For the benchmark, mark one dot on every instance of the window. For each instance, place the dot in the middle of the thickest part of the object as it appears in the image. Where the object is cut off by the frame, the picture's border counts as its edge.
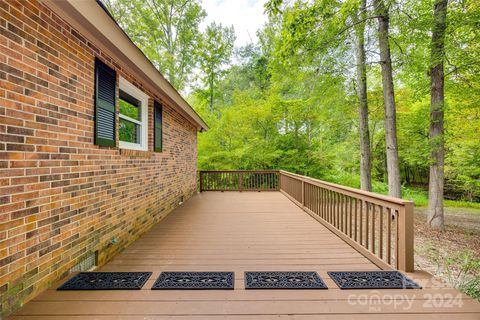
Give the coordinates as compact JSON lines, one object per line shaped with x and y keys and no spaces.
{"x":133,"y":117}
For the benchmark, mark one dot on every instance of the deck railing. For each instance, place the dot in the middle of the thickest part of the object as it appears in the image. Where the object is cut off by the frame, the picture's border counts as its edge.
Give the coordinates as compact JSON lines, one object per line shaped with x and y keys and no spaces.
{"x":239,"y":180}
{"x":377,"y":226}
{"x":380,"y":227}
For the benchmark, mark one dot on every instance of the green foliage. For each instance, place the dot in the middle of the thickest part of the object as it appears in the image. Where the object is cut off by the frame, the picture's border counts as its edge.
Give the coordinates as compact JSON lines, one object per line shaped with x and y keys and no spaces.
{"x":129,"y":109}
{"x":289,"y":101}
{"x":215,"y":51}
{"x":166,"y":31}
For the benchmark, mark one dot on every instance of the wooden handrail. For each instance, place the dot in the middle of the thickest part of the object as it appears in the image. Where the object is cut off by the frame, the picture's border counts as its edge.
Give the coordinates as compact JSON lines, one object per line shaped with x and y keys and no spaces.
{"x":348,"y":189}
{"x":378,"y":226}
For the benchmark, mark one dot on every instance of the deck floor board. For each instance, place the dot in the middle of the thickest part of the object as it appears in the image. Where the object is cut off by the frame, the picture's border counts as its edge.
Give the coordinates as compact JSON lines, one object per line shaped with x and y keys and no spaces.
{"x":240,"y":232}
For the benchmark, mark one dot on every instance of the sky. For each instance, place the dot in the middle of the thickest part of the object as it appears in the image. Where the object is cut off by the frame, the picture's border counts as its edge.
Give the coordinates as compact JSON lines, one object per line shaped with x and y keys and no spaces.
{"x":246,"y":16}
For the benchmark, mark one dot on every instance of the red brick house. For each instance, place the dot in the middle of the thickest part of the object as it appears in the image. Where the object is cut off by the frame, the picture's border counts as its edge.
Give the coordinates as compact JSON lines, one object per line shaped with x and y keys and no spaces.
{"x":95,"y":145}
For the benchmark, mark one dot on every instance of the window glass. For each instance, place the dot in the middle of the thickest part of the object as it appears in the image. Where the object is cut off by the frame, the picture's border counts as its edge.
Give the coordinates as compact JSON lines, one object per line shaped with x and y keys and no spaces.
{"x":129,"y":131}
{"x":129,"y":106}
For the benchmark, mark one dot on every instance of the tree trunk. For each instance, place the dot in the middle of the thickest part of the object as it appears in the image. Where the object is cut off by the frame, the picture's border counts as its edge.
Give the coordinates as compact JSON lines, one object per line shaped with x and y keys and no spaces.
{"x":365,"y":150}
{"x":393,"y":169}
{"x":437,"y":102}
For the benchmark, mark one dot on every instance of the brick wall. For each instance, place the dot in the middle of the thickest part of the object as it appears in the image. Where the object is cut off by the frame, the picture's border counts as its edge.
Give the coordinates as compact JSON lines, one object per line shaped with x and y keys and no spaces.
{"x":62,"y":197}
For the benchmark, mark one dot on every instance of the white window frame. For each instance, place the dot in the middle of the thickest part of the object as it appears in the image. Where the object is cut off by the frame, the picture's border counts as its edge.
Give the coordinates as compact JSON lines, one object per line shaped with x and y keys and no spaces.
{"x":143,"y":98}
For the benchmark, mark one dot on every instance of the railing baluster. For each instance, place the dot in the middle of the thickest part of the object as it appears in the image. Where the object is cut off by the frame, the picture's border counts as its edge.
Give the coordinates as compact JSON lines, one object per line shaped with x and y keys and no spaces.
{"x":330,"y":207}
{"x":345,"y":220}
{"x":338,"y":206}
{"x":396,"y":241}
{"x":324,"y":204}
{"x":327,"y":206}
{"x":340,"y":211}
{"x":373,"y":227}
{"x":312,"y":199}
{"x":345,"y":215}
{"x":361,"y":221}
{"x":380,"y":244}
{"x":334,"y":212}
{"x":356,"y":219}
{"x":366,"y":223}
{"x":389,"y":236}
{"x":320,"y":202}
{"x":350,"y":200}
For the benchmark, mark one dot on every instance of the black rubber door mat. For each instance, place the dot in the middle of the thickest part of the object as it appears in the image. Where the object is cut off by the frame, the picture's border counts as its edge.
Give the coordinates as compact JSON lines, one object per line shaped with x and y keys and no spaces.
{"x":283,"y":280}
{"x":195,"y":281}
{"x":373,"y":280}
{"x":106,"y":281}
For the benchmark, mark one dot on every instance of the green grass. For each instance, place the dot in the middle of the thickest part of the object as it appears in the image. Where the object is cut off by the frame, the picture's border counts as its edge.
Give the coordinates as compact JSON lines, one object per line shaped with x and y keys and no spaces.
{"x":417,"y":195}
{"x":463,"y":204}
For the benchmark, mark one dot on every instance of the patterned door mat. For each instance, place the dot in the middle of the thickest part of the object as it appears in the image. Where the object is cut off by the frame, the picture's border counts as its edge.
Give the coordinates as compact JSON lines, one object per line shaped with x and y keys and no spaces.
{"x":194,"y":281}
{"x":283,"y":280}
{"x":373,"y":280}
{"x":106,"y":281}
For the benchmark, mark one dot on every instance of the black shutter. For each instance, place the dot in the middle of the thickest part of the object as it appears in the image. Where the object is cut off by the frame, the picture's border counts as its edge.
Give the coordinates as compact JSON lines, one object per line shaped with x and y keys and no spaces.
{"x":158,"y":127}
{"x":105,"y":97}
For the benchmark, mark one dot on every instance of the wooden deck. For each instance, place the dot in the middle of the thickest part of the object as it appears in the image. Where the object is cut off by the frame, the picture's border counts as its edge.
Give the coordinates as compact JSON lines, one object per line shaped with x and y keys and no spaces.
{"x":239,"y":232}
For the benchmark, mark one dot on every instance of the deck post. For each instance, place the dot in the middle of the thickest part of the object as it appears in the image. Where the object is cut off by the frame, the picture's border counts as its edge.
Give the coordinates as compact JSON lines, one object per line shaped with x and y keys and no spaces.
{"x":405,"y":238}
{"x":201,"y":182}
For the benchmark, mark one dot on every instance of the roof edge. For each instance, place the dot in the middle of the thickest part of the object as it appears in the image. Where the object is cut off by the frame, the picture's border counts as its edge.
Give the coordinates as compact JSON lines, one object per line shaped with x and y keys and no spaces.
{"x":90,"y":18}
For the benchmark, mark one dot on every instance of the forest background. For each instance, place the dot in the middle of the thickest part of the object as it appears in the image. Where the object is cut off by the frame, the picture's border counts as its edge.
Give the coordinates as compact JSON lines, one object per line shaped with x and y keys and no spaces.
{"x":290,"y":100}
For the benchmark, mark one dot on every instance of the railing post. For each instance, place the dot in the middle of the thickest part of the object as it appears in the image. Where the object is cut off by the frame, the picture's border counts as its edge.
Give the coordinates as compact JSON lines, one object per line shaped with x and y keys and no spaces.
{"x":201,"y":181}
{"x":240,"y":181}
{"x":405,"y":238}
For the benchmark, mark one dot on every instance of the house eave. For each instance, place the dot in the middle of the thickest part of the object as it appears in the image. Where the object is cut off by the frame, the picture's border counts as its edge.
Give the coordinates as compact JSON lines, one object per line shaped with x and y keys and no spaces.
{"x":94,"y":22}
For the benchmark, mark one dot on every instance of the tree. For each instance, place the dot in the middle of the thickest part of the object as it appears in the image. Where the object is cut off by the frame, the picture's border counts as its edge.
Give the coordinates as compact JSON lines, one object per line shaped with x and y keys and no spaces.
{"x":393,"y":165}
{"x":361,"y":73}
{"x":215,"y":53}
{"x":437,"y":103}
{"x":331,"y":21}
{"x":293,"y":100}
{"x":166,"y":31}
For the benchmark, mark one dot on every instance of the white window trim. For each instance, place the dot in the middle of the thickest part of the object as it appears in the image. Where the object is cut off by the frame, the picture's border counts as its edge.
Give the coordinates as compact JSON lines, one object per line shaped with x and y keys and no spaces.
{"x":143,"y":98}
